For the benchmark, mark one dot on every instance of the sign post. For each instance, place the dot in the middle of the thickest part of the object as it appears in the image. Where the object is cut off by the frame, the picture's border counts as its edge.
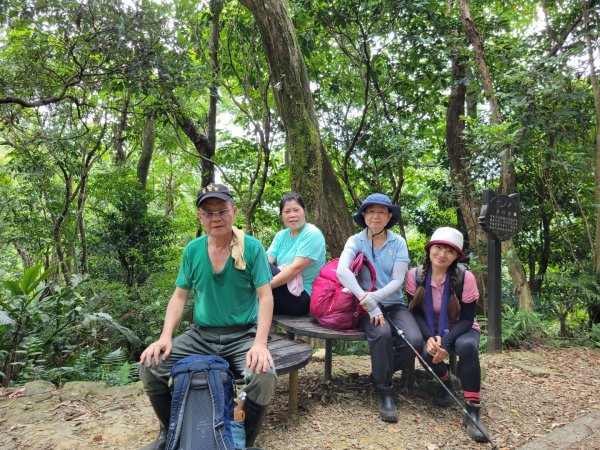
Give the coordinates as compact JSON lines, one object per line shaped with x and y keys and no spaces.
{"x":500,"y":217}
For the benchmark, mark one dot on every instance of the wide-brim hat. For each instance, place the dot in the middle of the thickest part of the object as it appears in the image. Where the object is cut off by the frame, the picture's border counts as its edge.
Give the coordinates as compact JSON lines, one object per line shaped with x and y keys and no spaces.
{"x":448,"y":236}
{"x":377,"y":199}
{"x":213,"y":190}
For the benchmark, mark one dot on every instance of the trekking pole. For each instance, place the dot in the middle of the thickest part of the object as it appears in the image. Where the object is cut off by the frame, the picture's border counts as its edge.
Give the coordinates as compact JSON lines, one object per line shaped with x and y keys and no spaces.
{"x":400,"y":333}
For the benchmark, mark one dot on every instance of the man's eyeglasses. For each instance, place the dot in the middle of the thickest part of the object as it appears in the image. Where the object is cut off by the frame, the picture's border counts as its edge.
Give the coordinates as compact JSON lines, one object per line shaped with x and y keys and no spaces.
{"x":210,"y":215}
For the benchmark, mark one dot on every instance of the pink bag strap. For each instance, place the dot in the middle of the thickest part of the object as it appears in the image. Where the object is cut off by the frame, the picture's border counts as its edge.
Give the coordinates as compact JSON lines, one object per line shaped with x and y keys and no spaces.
{"x":359,"y":261}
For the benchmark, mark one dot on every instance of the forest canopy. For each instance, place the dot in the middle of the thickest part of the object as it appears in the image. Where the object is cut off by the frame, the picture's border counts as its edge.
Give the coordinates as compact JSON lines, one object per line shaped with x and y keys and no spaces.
{"x":113,"y":114}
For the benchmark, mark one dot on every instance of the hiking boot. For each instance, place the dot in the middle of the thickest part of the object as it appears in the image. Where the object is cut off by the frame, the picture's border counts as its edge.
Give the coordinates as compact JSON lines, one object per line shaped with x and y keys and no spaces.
{"x":254,"y":416}
{"x":473,"y":409}
{"x":161,"y":403}
{"x":387,"y":407}
{"x":442,"y":398}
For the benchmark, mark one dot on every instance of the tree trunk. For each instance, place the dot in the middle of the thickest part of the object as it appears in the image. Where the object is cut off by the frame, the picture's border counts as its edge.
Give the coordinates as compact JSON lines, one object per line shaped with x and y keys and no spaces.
{"x":143,"y":166}
{"x":25,"y":258}
{"x":208,"y":167}
{"x":458,"y":158}
{"x":596,"y":92}
{"x":83,"y":262}
{"x":536,"y":278}
{"x":56,"y":229}
{"x":507,"y":170}
{"x":120,"y":155}
{"x":469,"y":204}
{"x":311,"y":171}
{"x":171,"y":187}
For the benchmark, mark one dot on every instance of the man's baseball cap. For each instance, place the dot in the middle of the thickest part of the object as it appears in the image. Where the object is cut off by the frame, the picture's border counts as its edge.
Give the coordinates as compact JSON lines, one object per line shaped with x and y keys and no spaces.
{"x":213,"y":190}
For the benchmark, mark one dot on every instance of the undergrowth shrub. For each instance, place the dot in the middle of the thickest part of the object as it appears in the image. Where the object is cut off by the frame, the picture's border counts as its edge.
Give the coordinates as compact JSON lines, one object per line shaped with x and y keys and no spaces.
{"x":44,"y":325}
{"x":517,"y":326}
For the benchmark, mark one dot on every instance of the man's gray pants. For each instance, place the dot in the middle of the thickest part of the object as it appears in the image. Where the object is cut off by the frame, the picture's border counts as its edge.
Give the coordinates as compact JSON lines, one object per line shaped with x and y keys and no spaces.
{"x":230,"y":343}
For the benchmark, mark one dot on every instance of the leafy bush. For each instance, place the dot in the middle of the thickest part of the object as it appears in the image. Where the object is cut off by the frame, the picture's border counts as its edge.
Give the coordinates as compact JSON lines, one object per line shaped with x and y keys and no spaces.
{"x":341,"y":347}
{"x":570,"y":296}
{"x":594,"y":335}
{"x":130,"y":242}
{"x":517,"y":326}
{"x":45,"y":325}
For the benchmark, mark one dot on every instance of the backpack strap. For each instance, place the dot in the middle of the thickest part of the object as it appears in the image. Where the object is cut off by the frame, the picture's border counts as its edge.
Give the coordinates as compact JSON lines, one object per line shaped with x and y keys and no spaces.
{"x":462,"y":268}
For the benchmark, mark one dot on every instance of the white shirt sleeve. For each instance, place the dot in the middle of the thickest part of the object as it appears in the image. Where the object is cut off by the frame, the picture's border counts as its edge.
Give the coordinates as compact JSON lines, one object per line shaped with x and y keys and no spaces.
{"x":344,"y":274}
{"x":372,"y":300}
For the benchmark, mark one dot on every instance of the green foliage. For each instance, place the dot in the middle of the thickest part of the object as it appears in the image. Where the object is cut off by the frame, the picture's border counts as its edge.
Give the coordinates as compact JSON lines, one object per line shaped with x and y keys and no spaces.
{"x":518,"y":325}
{"x":568,"y":295}
{"x":380,"y":79}
{"x":130,"y":233}
{"x":594,"y":335}
{"x":45,"y":323}
{"x":342,"y":347}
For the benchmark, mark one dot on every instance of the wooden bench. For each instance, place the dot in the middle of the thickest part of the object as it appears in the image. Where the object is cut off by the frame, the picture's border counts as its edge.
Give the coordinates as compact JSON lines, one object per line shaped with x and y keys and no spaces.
{"x":308,"y":326}
{"x":289,"y":356}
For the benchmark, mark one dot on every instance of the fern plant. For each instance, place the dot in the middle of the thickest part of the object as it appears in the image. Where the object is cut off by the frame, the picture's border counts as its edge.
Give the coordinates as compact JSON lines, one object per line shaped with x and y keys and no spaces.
{"x":40,"y":318}
{"x":594,"y":335}
{"x":518,"y":325}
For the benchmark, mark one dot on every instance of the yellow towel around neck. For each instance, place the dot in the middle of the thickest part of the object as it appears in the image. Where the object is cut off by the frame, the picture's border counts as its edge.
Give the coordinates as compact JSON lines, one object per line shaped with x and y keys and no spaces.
{"x":237,"y":249}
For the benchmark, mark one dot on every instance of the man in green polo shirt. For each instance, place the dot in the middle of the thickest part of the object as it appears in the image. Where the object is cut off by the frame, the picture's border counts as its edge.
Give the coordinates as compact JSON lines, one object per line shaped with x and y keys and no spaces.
{"x":233,"y":307}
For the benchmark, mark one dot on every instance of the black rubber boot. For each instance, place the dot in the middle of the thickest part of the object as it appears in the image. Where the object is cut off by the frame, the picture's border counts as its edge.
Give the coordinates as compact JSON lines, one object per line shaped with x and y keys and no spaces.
{"x":387,"y":407}
{"x":253,"y":420}
{"x":472,"y":431}
{"x":442,"y":398}
{"x":161,"y":404}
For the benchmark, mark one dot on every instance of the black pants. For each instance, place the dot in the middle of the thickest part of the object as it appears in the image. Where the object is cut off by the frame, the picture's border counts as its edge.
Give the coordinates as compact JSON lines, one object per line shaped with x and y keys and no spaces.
{"x":288,"y":303}
{"x":466,"y":347}
{"x":388,"y":351}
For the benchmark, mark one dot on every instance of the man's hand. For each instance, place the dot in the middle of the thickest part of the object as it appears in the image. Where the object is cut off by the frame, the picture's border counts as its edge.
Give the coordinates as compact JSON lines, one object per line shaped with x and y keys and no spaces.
{"x":153,"y":351}
{"x":259,"y":358}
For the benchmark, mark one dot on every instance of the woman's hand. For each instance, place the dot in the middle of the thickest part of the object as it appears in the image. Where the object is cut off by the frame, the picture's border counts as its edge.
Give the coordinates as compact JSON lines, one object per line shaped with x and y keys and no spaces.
{"x":361,"y":301}
{"x":378,"y":320}
{"x":433,"y":345}
{"x":440,"y":355}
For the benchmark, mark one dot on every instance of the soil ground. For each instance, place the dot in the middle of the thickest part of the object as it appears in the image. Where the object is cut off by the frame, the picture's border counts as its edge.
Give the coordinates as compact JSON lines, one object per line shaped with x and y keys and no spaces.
{"x":526,"y":394}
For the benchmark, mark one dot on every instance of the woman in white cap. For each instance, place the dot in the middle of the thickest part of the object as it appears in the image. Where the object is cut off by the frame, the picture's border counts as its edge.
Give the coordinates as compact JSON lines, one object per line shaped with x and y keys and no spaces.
{"x":388,"y":253}
{"x":445,"y":312}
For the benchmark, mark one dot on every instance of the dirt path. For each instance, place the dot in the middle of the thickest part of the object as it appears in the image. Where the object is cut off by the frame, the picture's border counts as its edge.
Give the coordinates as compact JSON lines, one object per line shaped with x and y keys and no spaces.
{"x":526,"y":395}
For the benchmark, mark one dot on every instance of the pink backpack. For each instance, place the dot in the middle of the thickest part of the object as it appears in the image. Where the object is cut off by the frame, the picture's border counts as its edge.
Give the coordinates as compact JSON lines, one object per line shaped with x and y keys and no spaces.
{"x":330,"y":303}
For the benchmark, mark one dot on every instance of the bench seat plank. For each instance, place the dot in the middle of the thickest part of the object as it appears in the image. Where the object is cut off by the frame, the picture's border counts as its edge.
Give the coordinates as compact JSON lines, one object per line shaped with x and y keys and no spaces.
{"x":288,"y":355}
{"x":308,"y":326}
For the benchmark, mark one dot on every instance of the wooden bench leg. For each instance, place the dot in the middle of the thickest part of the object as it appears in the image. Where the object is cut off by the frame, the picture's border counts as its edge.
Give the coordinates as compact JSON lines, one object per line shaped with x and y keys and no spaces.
{"x":408,"y":377}
{"x":328,"y":358}
{"x":293,"y":395}
{"x":453,"y":363}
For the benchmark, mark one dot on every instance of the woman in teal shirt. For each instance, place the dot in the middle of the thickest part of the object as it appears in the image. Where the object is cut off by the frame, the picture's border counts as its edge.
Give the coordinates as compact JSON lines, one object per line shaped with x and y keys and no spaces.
{"x":296,"y":254}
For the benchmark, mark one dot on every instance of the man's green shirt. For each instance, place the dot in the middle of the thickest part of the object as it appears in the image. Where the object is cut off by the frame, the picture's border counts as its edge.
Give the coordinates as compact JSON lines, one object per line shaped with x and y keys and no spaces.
{"x":227,"y":298}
